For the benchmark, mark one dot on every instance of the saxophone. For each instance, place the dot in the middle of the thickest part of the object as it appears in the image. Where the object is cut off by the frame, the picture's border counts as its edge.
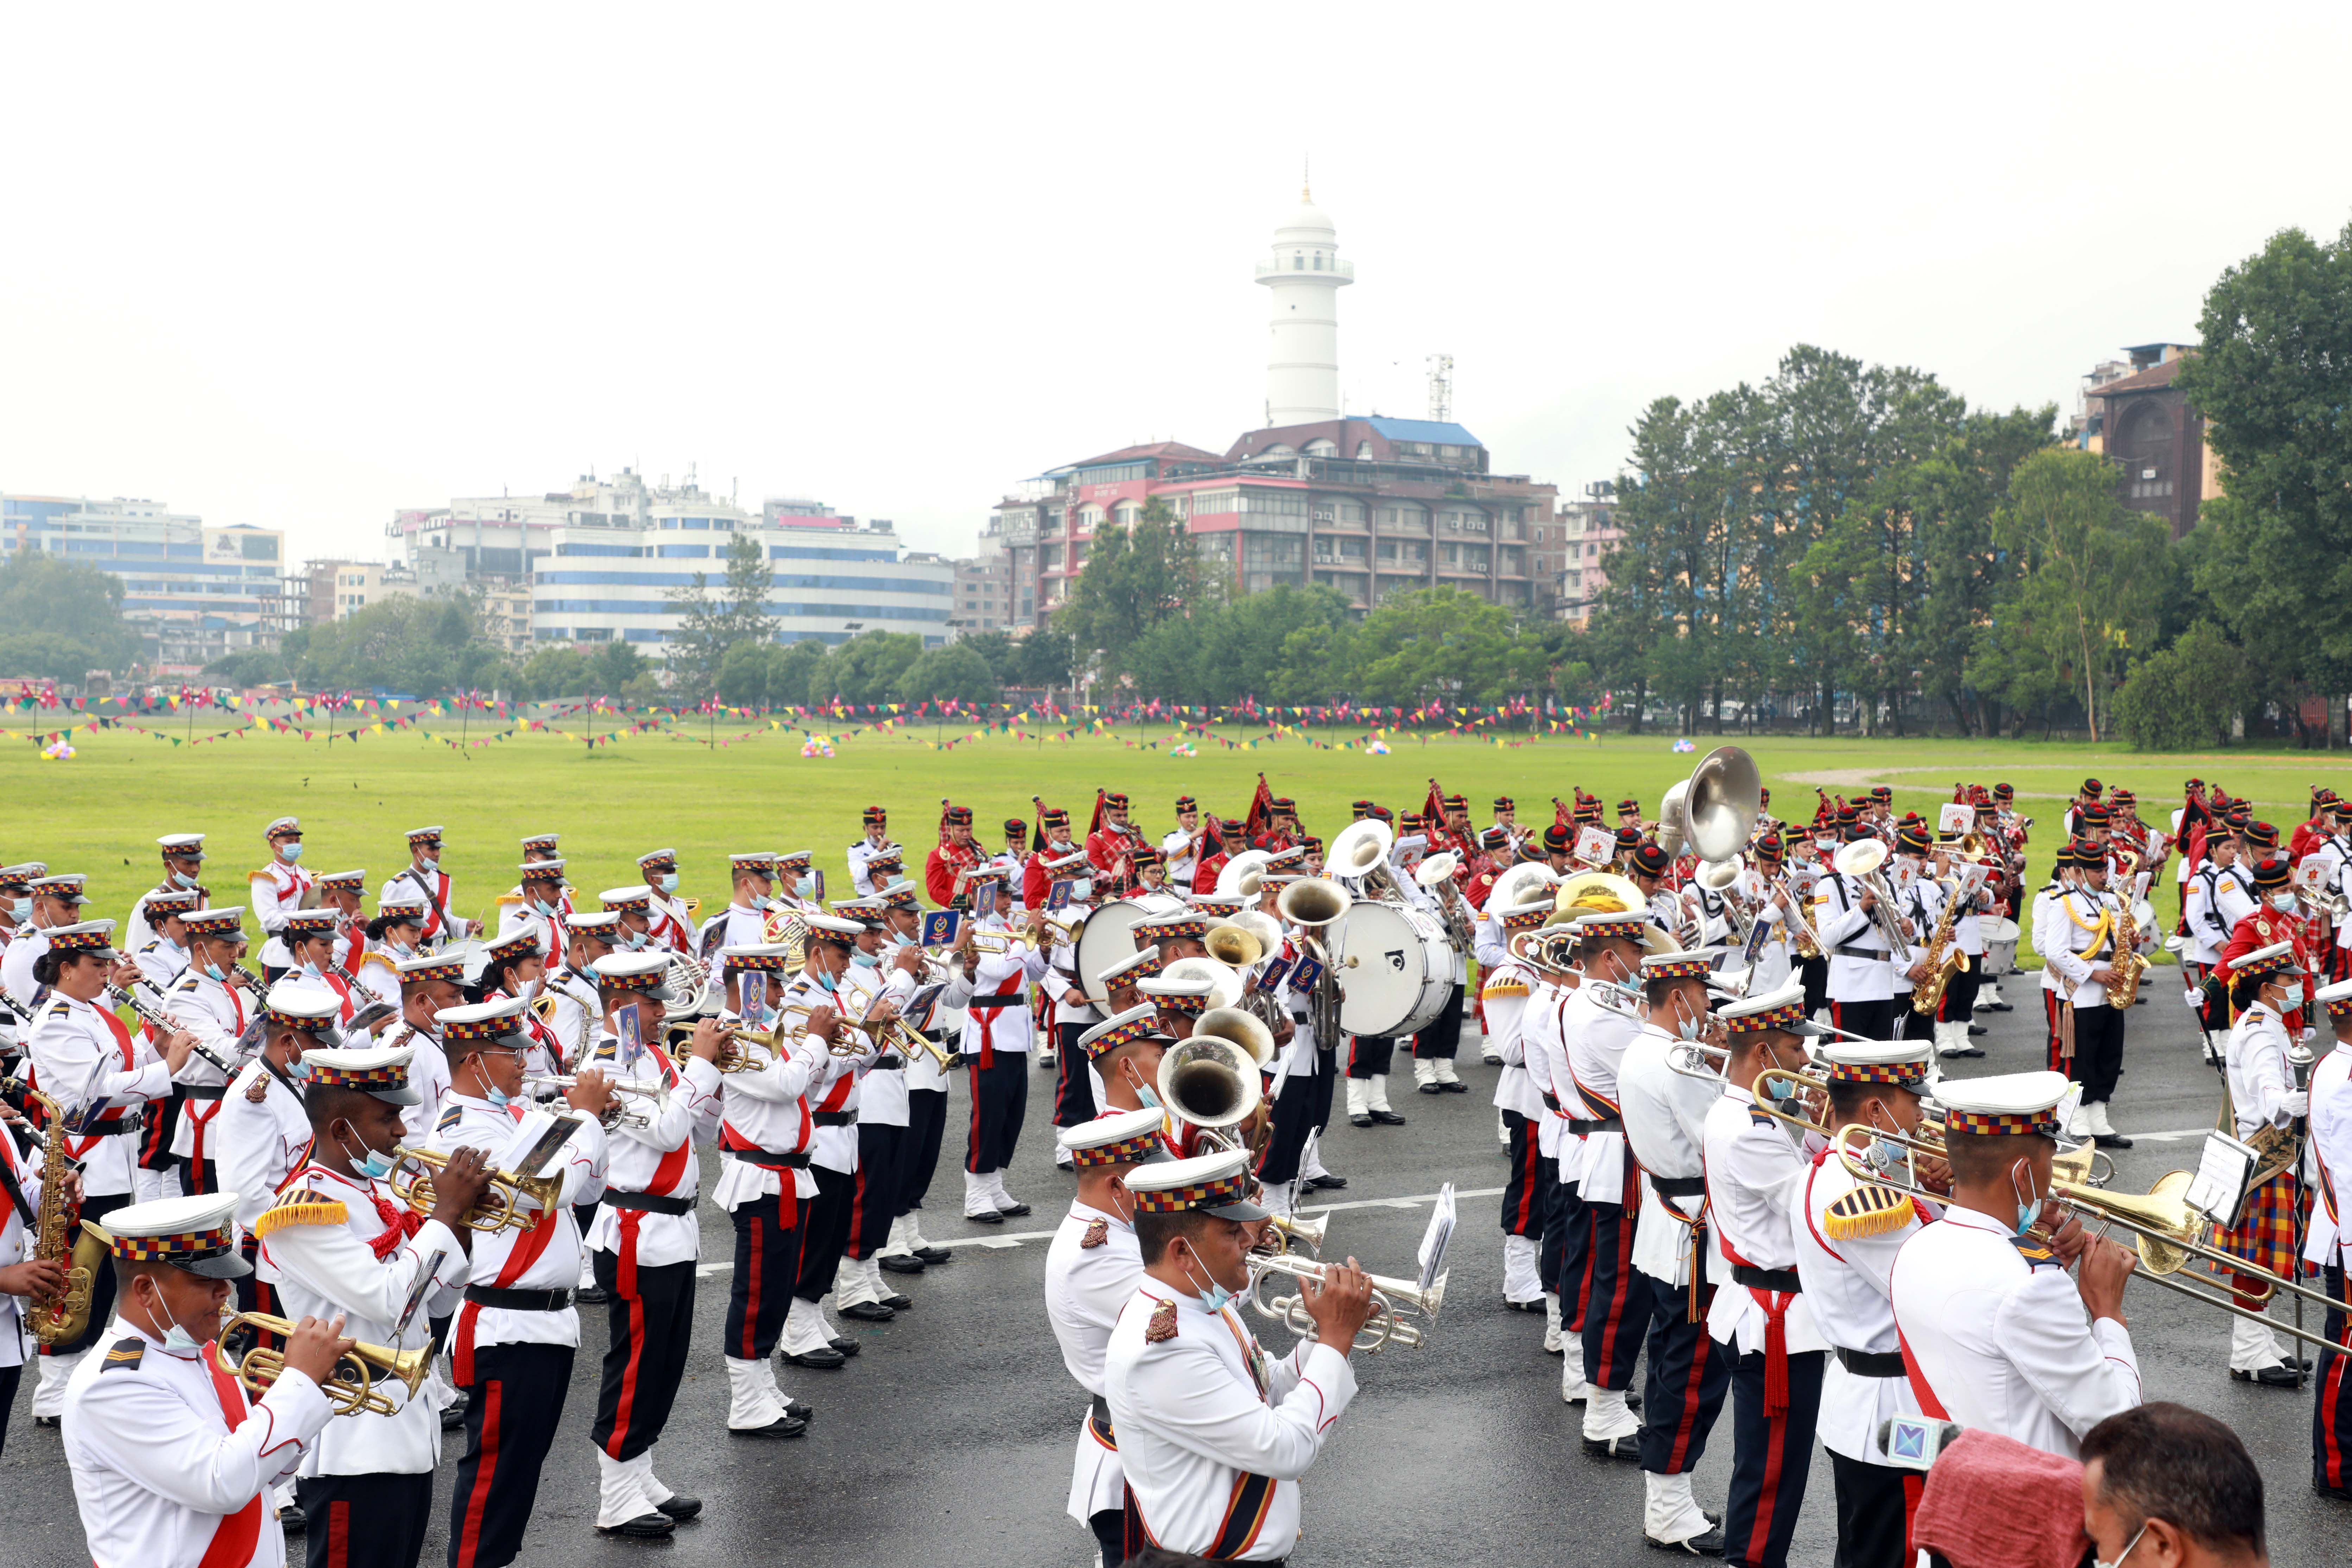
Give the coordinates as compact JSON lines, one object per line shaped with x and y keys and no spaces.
{"x":2126,"y":963}
{"x":65,"y":1316}
{"x":1943,"y":959}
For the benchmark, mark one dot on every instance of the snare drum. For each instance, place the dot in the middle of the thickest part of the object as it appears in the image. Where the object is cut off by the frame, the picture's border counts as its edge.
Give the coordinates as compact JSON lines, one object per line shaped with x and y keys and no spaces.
{"x":2000,"y":948}
{"x":1397,"y":971}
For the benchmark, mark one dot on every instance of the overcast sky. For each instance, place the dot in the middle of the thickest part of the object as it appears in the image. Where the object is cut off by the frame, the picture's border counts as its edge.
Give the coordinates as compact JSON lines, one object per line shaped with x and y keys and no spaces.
{"x":300,"y":268}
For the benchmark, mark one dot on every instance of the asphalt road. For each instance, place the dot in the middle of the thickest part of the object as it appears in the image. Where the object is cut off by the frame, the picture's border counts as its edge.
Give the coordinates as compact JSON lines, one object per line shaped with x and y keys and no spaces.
{"x":950,"y":1439}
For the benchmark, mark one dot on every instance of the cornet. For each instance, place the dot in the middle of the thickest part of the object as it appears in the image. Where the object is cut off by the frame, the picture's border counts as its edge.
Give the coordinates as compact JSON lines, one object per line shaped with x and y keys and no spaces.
{"x":630,"y":1106}
{"x":351,"y":1387}
{"x":501,"y":1207}
{"x":744,"y":1050}
{"x":1392,"y":1301}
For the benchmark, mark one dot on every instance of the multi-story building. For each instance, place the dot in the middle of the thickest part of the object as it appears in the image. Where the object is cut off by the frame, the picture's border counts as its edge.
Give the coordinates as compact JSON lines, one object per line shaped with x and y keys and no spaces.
{"x":2139,"y":417}
{"x":600,"y":560}
{"x":192,"y":592}
{"x":1366,"y":504}
{"x":983,"y":586}
{"x":1578,"y":541}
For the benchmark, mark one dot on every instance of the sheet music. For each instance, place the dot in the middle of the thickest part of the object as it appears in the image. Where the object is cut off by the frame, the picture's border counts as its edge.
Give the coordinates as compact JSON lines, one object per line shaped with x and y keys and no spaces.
{"x":1433,"y":1240}
{"x":2224,"y":1168}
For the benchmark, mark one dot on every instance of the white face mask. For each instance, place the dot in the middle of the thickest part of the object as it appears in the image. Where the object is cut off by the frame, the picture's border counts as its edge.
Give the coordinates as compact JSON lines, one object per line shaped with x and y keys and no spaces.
{"x":2102,"y":1563}
{"x":2282,"y":900}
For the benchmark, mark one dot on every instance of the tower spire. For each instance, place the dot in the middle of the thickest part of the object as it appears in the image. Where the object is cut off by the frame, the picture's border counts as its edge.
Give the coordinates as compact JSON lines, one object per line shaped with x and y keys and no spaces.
{"x":1307,"y":179}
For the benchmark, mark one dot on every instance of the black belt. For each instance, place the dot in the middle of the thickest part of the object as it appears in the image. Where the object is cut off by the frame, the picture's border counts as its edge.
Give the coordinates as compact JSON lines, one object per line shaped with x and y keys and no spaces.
{"x":768,"y":1159}
{"x":201,"y":1090}
{"x":1873,"y":1364}
{"x":1002,"y":999}
{"x":1099,"y":1418}
{"x":1755,"y":1279}
{"x":1679,"y":1186}
{"x":833,"y":1118}
{"x":1868,"y":954}
{"x":885,"y":1064}
{"x":650,"y":1203}
{"x":518,"y":1300}
{"x":1552,"y":1103}
{"x":1612,"y":1124}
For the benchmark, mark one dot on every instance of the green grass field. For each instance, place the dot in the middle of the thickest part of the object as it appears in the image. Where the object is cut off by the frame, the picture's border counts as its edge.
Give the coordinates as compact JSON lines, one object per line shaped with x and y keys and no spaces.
{"x":101,"y":811}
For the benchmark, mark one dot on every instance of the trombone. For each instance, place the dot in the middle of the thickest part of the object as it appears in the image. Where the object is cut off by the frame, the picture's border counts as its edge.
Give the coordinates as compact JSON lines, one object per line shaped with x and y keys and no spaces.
{"x":1393,"y":1300}
{"x":351,"y":1387}
{"x":501,"y":1207}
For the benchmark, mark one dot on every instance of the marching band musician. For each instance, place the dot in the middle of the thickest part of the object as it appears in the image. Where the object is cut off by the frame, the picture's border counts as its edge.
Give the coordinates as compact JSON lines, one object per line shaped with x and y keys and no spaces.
{"x":172,"y":1466}
{"x":1562,"y":1255}
{"x":798,"y":886}
{"x":336,"y":1239}
{"x":542,"y":904}
{"x":391,"y":937}
{"x":742,"y":922}
{"x":876,"y":821}
{"x":1073,"y":1012}
{"x":209,"y":1002}
{"x":1993,"y":1334}
{"x":1847,"y":1237}
{"x":2333,"y":848}
{"x":1183,"y":850}
{"x":429,"y":984}
{"x":1860,"y":965}
{"x":423,"y":875}
{"x":1919,"y":903}
{"x":1217,"y":849}
{"x":2005,"y":863}
{"x":2263,"y":988}
{"x":1666,"y":1111}
{"x":1214,"y":1437}
{"x":53,"y":901}
{"x":2326,"y":1243}
{"x":1770,"y":957}
{"x":1954,"y":1019}
{"x":160,"y":961}
{"x":516,"y":1337}
{"x":1124,"y":1052}
{"x":183,"y":867}
{"x":277,"y":889}
{"x":763,"y":1179}
{"x":906,"y":1252}
{"x":2077,"y":940}
{"x":1754,"y":1174}
{"x":1112,"y":843}
{"x":1092,"y":1270}
{"x":101,"y":1076}
{"x":2275,"y":919}
{"x":880,"y":982}
{"x":1297,"y":1083}
{"x":996,"y":1044}
{"x":571,"y":1005}
{"x":1593,"y":1039}
{"x":1012,"y":860}
{"x":644,"y":1243}
{"x":673,"y":921}
{"x":310,"y":939}
{"x":948,"y":867}
{"x":1506,"y":991}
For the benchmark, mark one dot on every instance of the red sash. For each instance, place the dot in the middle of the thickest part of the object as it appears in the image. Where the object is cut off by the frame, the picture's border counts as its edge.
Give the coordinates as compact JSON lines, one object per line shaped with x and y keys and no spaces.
{"x":236,"y":1536}
{"x":1775,"y":1305}
{"x":665,"y":1182}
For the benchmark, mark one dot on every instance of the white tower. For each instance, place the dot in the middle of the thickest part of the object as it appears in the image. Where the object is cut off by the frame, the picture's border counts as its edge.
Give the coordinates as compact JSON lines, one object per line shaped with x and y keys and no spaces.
{"x":1302,"y":371}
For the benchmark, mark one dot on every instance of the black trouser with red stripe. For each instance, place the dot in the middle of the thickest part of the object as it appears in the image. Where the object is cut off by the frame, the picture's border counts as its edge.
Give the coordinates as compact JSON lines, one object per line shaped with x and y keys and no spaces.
{"x":1074,"y":1088}
{"x":1561,"y":1257}
{"x":1369,"y":1056}
{"x":1815,"y":973}
{"x":375,"y":1520}
{"x":511,"y":1420}
{"x":1527,"y":1191}
{"x":874,"y":1195}
{"x":1294,"y":1119}
{"x":825,"y":1228}
{"x":155,"y":1138}
{"x":1959,"y":1003}
{"x":2098,"y":1052}
{"x":1443,"y":1038}
{"x":9,"y":1376}
{"x":2054,"y":1011}
{"x":646,"y":1356}
{"x":1000,"y":1099}
{"x":918,"y":1150}
{"x":1875,"y":1504}
{"x":1617,"y":1307}
{"x":255,"y":1294}
{"x":1327,"y":1081}
{"x":1873,"y":1019}
{"x":2331,"y":1411}
{"x":767,"y":1266}
{"x":1688,"y":1376}
{"x":1770,"y":1456}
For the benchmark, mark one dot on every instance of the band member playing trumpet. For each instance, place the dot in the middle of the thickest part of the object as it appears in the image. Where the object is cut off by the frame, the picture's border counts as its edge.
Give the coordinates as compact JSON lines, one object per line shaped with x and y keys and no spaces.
{"x":1092,"y":1270}
{"x":1761,"y":1316}
{"x":336,"y":1242}
{"x":1214,"y":1436}
{"x":172,"y":1466}
{"x":1994,"y":1333}
{"x":1852,"y":926}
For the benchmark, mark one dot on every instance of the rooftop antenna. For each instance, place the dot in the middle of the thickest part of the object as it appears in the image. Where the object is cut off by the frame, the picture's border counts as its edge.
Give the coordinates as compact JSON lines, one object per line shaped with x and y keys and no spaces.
{"x":1441,"y":387}
{"x":1307,"y":179}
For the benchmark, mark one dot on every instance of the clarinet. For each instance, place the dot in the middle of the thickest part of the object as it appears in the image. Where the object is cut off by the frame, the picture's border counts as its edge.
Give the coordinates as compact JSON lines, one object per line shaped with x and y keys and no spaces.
{"x":162,"y":1022}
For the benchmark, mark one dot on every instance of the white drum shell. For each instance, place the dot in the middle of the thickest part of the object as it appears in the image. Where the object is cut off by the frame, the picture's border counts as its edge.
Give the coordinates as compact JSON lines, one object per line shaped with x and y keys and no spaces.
{"x":1109,"y":937}
{"x":1403,"y":972}
{"x":2000,"y":948}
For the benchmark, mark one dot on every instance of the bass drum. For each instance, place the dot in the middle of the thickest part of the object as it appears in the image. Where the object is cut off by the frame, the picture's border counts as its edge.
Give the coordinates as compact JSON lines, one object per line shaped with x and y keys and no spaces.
{"x":2000,"y":948}
{"x":1397,"y":971}
{"x":1109,"y":937}
{"x":2144,"y":926}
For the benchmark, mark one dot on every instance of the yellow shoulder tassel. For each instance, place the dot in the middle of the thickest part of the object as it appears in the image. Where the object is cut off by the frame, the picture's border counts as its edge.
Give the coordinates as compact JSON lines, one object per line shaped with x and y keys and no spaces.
{"x":324,"y":1211}
{"x":1504,"y":988}
{"x":1867,"y":1211}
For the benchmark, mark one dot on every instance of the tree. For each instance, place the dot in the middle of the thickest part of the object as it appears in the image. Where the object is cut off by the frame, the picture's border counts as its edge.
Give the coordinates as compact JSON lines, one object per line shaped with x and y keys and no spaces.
{"x":2185,"y":697}
{"x":410,"y":646}
{"x":867,"y":668}
{"x":63,"y":618}
{"x":2092,"y":572}
{"x":953,"y":672}
{"x":1135,"y":578}
{"x":1044,"y":658}
{"x":2272,"y":379}
{"x":713,"y":621}
{"x":1442,"y":644}
{"x":613,"y":666}
{"x":247,"y":666}
{"x":795,"y":671}
{"x":559,"y":671}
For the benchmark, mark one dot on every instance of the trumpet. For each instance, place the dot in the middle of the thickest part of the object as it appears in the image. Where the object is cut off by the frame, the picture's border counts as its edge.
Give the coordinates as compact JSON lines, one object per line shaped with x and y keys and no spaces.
{"x":1393,"y":1300}
{"x":745,"y":1051}
{"x":996,"y":943}
{"x":629,"y":1108}
{"x":500,"y":1208}
{"x":1289,"y":1233}
{"x":351,"y":1387}
{"x":895,"y":1032}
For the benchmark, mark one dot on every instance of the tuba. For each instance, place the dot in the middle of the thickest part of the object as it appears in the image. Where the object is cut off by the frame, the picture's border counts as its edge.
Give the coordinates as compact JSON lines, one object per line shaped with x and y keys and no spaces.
{"x":1210,"y":1082}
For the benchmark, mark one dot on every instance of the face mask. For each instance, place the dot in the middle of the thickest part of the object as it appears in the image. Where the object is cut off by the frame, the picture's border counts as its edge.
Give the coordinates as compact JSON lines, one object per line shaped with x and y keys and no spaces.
{"x":804,"y":886}
{"x":864,"y":960}
{"x":632,"y":940}
{"x":2027,"y":1207}
{"x":428,"y":864}
{"x":540,"y":906}
{"x":1213,"y":1296}
{"x":176,"y":1338}
{"x":398,"y":949}
{"x":289,"y":853}
{"x":826,"y":981}
{"x":183,"y":879}
{"x":2101,"y":1562}
{"x":1826,"y":846}
{"x":1777,"y":1090}
{"x":20,"y":910}
{"x":532,"y":988}
{"x":310,"y":968}
{"x":499,"y":1098}
{"x":213,"y":971}
{"x":298,"y":1071}
{"x":2281,"y":902}
{"x":762,"y":902}
{"x":375,"y":1164}
{"x":1083,"y":891}
{"x":669,"y":882}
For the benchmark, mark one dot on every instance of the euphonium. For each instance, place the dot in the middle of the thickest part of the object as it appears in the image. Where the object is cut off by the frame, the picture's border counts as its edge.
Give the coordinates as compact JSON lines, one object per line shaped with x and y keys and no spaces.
{"x":351,"y":1387}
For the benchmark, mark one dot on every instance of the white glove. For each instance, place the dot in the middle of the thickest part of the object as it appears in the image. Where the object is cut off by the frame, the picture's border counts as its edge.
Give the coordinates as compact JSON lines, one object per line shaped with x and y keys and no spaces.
{"x":2194,"y":998}
{"x":2296,"y":1102}
{"x":2309,"y":1034}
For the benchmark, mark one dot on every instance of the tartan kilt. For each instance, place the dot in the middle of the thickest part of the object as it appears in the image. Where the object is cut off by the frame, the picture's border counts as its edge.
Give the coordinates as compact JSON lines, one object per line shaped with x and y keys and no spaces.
{"x":2266,"y":1236}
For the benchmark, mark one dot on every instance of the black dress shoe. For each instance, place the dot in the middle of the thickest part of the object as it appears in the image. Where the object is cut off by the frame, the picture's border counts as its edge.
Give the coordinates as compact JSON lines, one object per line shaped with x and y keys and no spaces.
{"x":1709,"y":1544}
{"x":455,"y":1415}
{"x":2110,"y":1140}
{"x":291,"y":1518}
{"x":825,"y":1360}
{"x":933,"y":1254}
{"x":1388,"y":1119}
{"x":784,"y":1426}
{"x":902,"y":1263}
{"x":990,"y":1218}
{"x":594,"y":1296}
{"x":1534,"y":1306}
{"x":1431,"y":1086}
{"x":799,"y":1412}
{"x":845,"y":1344}
{"x":1977,"y":1030}
{"x":868,"y":1312}
{"x":1012,"y":1211}
{"x":896,"y":1302}
{"x":1363,"y":1121}
{"x":48,"y":1421}
{"x":1451,"y":1085}
{"x":1628,"y":1447}
{"x":1327,"y":1182}
{"x":2279,"y":1376}
{"x":680,"y":1506}
{"x":645,"y":1527}
{"x":1966,"y":1051}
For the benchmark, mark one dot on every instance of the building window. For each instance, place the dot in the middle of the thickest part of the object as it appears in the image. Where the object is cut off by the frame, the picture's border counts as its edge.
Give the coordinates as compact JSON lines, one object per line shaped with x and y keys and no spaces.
{"x":1299,"y":263}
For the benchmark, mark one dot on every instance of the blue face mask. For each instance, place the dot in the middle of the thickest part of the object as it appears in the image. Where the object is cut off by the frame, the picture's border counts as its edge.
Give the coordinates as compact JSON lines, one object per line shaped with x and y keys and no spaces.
{"x":183,"y":879}
{"x":498,"y":1097}
{"x":298,"y":1071}
{"x":669,"y":882}
{"x":864,"y":960}
{"x":374,"y":1165}
{"x":289,"y":853}
{"x":428,"y":865}
{"x":20,"y":910}
{"x":1213,"y":1297}
{"x":398,"y":949}
{"x":631,"y":941}
{"x":804,"y":886}
{"x":540,"y":906}
{"x":213,"y":971}
{"x":310,"y":967}
{"x":826,"y":981}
